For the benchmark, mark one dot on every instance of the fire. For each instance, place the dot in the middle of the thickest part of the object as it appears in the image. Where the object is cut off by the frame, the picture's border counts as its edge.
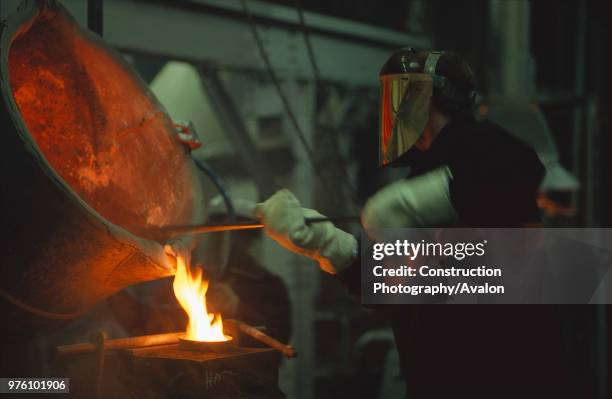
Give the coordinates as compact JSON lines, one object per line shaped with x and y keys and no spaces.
{"x":190,"y":290}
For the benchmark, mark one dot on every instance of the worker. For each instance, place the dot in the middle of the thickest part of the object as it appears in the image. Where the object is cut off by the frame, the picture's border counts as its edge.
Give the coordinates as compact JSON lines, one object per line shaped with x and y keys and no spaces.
{"x":463,"y":173}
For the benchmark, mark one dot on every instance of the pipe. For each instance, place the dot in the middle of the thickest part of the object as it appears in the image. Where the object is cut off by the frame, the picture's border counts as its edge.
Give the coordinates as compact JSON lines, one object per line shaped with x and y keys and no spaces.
{"x":95,"y":16}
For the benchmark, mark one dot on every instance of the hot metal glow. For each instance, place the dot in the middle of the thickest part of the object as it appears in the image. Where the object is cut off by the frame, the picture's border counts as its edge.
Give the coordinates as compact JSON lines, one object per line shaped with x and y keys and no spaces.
{"x":99,"y":126}
{"x":190,"y":289}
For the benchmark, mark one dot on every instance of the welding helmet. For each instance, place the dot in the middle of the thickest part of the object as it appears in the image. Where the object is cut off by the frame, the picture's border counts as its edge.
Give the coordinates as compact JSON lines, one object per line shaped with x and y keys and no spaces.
{"x":408,"y":84}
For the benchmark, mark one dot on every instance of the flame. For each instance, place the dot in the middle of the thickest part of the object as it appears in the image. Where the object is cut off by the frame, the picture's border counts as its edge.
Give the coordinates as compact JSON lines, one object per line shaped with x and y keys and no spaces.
{"x":190,"y":290}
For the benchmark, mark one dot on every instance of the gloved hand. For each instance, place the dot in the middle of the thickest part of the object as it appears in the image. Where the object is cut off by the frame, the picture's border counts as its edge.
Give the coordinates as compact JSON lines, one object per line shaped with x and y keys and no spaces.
{"x":284,"y":220}
{"x":423,"y":201}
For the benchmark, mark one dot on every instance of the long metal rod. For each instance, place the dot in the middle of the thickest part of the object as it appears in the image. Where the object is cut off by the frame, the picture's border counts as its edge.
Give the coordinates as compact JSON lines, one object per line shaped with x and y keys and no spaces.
{"x":176,"y":231}
{"x":183,"y":230}
{"x":121,"y":343}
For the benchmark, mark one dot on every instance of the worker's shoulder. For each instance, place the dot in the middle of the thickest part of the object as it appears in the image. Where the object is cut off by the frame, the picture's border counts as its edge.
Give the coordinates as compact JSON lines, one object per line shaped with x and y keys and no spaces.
{"x":489,"y":135}
{"x":488,"y":140}
{"x":491,"y":149}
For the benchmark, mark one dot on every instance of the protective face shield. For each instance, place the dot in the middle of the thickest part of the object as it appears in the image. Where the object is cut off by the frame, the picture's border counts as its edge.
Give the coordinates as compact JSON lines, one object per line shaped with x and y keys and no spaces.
{"x":408,"y":82}
{"x":404,"y":112}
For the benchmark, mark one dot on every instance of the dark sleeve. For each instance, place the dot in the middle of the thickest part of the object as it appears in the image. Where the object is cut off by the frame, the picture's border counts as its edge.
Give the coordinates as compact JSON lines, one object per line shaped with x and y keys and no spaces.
{"x":496,"y":181}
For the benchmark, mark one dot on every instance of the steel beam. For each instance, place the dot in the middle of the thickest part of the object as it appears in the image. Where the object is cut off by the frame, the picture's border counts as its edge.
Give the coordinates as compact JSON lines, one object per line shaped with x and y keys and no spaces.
{"x":213,"y":31}
{"x":510,"y":41}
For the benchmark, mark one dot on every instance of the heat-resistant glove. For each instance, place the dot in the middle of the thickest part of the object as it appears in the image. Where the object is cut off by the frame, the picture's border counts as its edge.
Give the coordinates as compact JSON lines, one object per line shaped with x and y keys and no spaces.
{"x":422,"y":201}
{"x":285,"y":221}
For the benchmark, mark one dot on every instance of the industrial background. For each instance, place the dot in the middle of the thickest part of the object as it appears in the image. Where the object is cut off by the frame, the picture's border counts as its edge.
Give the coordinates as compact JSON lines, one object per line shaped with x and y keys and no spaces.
{"x":284,"y":93}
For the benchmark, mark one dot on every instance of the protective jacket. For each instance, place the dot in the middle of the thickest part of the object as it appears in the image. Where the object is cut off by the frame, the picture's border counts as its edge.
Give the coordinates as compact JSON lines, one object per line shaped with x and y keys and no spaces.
{"x":468,"y":351}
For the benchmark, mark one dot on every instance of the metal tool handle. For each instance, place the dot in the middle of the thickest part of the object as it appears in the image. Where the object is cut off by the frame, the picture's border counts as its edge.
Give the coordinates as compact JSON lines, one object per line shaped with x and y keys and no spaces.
{"x":240,"y":327}
{"x":120,"y":343}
